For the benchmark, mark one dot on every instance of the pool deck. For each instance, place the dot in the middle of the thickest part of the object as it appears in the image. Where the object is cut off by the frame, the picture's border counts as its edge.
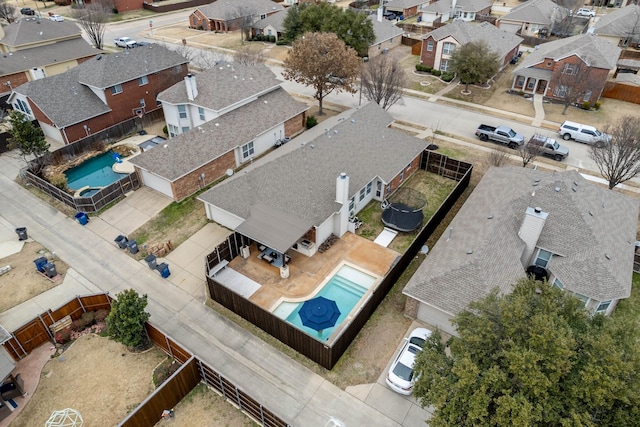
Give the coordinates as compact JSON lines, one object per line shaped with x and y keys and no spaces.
{"x":306,"y":274}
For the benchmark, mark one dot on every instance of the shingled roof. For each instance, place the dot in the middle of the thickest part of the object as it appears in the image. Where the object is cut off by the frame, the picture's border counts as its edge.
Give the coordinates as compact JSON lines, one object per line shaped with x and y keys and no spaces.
{"x":224,"y":85}
{"x":34,"y":31}
{"x":384,"y":30}
{"x":190,"y":150}
{"x":225,"y":10}
{"x":623,"y":22}
{"x":594,"y":51}
{"x":590,"y":229}
{"x":303,"y":181}
{"x":534,"y":11}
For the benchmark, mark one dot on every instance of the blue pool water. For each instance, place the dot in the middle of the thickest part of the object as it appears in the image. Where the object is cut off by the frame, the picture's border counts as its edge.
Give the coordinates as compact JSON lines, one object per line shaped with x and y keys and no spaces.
{"x":95,"y":172}
{"x":346,"y":288}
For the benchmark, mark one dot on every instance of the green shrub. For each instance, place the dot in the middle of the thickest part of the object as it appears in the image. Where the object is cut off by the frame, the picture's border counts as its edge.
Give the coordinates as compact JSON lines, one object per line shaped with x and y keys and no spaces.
{"x":521,"y":92}
{"x":597,"y":105}
{"x":447,"y":77}
{"x":89,"y":318}
{"x":423,"y":68}
{"x":281,"y":42}
{"x":436,"y":73}
{"x":101,"y":315}
{"x":59,"y":180}
{"x":311,"y":122}
{"x":165,"y":130}
{"x":272,"y":39}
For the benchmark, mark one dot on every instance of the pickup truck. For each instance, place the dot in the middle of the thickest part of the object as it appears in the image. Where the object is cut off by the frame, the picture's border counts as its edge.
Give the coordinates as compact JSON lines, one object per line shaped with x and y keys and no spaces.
{"x":125,"y":42}
{"x":501,"y":134}
{"x":548,"y":147}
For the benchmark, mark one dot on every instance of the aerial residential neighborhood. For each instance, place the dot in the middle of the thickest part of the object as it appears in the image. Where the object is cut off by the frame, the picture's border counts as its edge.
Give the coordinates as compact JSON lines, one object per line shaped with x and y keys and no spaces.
{"x":207,"y":216}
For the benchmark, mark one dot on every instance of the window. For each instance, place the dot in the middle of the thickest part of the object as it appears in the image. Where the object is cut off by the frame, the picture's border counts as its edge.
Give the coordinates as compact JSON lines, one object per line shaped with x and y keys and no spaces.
{"x":587,"y":95}
{"x":531,"y":84}
{"x":185,"y":129}
{"x":362,"y":194}
{"x":201,"y":112}
{"x":560,"y":91}
{"x":569,"y":69}
{"x":143,"y":81}
{"x":557,"y":284}
{"x":408,"y":167}
{"x":182,"y":111}
{"x":142,"y":103}
{"x":520,"y":81}
{"x":603,"y":307}
{"x":448,"y":48}
{"x":582,"y":298}
{"x":116,"y":89}
{"x":542,"y":258}
{"x":444,"y":65}
{"x":173,"y":130}
{"x":352,"y":205}
{"x":402,"y":176}
{"x":369,"y":187}
{"x":158,"y":103}
{"x":379,"y":189}
{"x":247,"y":150}
{"x":22,"y":106}
{"x":430,"y":46}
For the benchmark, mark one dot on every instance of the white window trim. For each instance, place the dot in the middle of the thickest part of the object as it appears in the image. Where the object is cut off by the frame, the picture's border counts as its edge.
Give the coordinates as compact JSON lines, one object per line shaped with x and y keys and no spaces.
{"x":535,"y":259}
{"x":144,"y":80}
{"x":116,"y":89}
{"x":247,"y":150}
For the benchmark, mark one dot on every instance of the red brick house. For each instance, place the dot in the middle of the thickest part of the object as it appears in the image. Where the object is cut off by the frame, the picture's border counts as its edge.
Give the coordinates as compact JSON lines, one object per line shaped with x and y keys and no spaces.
{"x":99,"y":93}
{"x":439,"y":44}
{"x":406,"y":8}
{"x":226,"y":16}
{"x":580,"y":64}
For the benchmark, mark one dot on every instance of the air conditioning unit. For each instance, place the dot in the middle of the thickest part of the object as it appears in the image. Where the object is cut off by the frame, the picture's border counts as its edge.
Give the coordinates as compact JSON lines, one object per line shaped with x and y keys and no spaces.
{"x":245,"y":251}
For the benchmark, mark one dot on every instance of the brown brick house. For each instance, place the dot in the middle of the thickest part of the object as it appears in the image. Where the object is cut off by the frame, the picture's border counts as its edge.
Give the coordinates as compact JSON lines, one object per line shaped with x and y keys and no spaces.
{"x":226,"y":16}
{"x":580,"y":64}
{"x":99,"y":93}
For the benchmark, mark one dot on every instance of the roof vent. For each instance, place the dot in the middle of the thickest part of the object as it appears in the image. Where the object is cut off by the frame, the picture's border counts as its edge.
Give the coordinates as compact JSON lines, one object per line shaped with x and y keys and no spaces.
{"x":537,"y":209}
{"x":490,"y":217}
{"x":607,"y":256}
{"x":575,"y":183}
{"x":557,"y":189}
{"x":590,"y":213}
{"x":98,"y":57}
{"x":535,"y":184}
{"x":470,"y":251}
{"x":574,"y":189}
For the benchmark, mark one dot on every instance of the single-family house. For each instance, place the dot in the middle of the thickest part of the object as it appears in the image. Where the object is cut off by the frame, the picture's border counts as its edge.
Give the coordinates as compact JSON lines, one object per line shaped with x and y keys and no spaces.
{"x":620,"y":27}
{"x":579,"y":63}
{"x":230,"y":16}
{"x":443,"y":10}
{"x":518,"y":222}
{"x":99,"y":93}
{"x":439,"y":44}
{"x":404,"y":8}
{"x":33,"y":48}
{"x":534,"y":18}
{"x":271,"y":25}
{"x":295,"y":201}
{"x":387,"y":35}
{"x":217,"y":121}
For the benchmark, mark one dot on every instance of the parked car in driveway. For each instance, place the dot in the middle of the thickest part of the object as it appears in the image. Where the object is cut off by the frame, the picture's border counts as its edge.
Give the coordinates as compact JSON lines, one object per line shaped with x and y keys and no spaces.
{"x":583,"y":133}
{"x":125,"y":42}
{"x":27,"y":11}
{"x":584,"y":11}
{"x":56,"y":18}
{"x":400,"y":377}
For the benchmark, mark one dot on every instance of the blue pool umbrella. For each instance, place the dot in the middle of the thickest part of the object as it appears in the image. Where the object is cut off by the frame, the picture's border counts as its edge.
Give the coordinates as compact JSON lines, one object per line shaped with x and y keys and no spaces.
{"x":319,"y":313}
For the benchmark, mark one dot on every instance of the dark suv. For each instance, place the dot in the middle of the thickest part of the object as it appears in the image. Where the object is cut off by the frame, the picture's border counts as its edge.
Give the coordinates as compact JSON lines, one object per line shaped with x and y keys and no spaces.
{"x":27,"y":11}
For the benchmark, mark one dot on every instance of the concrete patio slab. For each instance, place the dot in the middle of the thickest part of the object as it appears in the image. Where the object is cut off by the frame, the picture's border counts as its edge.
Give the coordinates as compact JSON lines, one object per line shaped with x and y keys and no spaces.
{"x":148,"y":201}
{"x":395,"y":405}
{"x":186,"y":253}
{"x":211,"y":235}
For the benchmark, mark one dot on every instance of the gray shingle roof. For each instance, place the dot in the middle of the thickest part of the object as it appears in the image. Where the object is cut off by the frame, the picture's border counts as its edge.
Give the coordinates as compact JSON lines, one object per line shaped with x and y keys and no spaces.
{"x":105,"y":71}
{"x":440,"y":6}
{"x":450,"y":278}
{"x":622,"y":22}
{"x":533,"y":11}
{"x":41,"y":56}
{"x":224,"y":85}
{"x":275,"y":20}
{"x":384,"y":30}
{"x":403,"y":4}
{"x":498,"y":41}
{"x":27,"y":31}
{"x":199,"y":146}
{"x":304,"y":180}
{"x":63,"y":99}
{"x":472,"y":5}
{"x":226,"y":10}
{"x":595,"y":51}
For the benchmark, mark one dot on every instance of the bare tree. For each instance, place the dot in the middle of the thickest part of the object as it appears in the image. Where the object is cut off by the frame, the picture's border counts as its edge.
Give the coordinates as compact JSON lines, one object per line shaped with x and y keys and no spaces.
{"x":619,"y":160}
{"x":243,"y":18}
{"x":563,"y":17}
{"x":93,"y":18}
{"x":573,"y":83}
{"x":8,"y":12}
{"x":498,"y":158}
{"x":528,"y":153}
{"x":249,"y":55}
{"x":198,"y":58}
{"x":382,"y":80}
{"x":323,"y":61}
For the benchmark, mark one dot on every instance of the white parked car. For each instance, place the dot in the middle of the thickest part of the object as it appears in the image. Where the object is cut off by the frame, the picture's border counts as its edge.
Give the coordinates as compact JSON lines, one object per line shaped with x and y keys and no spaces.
{"x":126,"y":42}
{"x":400,"y":377}
{"x":56,"y":18}
{"x":583,"y":133}
{"x":584,"y":11}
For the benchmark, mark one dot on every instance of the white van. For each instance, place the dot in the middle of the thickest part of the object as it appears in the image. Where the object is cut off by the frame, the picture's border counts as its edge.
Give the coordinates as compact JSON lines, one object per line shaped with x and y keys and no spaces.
{"x":583,"y":133}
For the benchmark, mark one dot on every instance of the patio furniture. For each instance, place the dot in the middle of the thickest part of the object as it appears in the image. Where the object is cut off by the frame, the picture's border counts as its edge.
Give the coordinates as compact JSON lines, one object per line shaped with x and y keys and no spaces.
{"x":12,"y":387}
{"x":267,"y":258}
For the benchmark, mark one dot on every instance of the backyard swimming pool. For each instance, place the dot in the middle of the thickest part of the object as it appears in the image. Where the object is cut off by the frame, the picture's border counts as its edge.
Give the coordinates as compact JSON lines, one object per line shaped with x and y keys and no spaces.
{"x":94,"y":172}
{"x":346,"y":287}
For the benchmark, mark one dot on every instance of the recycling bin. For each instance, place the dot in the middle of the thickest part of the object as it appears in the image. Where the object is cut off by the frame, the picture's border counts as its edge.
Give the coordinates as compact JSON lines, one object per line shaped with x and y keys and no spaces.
{"x":163,"y":269}
{"x":151,"y":261}
{"x":22,"y":233}
{"x":82,"y":218}
{"x":132,"y":245}
{"x":40,"y":262}
{"x":121,"y":241}
{"x":50,"y":269}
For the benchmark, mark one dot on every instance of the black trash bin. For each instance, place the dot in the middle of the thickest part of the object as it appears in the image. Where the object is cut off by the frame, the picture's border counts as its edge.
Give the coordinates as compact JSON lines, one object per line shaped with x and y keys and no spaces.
{"x":40,"y":262}
{"x":121,"y":241}
{"x":132,"y":245}
{"x":151,"y":261}
{"x":50,"y":269}
{"x":163,"y":269}
{"x":22,"y":233}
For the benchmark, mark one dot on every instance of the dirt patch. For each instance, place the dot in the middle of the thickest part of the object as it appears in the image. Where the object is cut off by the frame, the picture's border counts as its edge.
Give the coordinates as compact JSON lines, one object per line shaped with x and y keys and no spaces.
{"x":24,"y":282}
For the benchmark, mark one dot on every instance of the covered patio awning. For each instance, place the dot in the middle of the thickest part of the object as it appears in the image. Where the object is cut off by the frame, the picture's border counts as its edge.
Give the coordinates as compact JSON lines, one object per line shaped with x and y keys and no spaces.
{"x":273,"y":227}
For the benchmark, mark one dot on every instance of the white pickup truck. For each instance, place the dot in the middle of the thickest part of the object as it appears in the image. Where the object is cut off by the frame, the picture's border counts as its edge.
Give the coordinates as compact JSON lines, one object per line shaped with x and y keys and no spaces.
{"x":125,"y":42}
{"x":501,"y":134}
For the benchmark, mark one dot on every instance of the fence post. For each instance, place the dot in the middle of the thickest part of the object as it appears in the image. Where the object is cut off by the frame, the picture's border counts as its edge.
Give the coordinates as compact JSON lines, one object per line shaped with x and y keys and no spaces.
{"x":238,"y":398}
{"x":46,"y":328}
{"x":84,"y":310}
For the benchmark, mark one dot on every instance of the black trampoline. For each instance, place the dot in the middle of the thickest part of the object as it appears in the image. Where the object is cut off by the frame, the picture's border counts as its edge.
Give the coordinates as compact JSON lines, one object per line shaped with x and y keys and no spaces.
{"x":402,"y":217}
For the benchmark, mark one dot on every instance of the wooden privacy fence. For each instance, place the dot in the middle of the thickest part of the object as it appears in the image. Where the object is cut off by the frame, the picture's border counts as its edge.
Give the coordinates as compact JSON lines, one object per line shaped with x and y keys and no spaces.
{"x":621,"y":91}
{"x":327,"y":355}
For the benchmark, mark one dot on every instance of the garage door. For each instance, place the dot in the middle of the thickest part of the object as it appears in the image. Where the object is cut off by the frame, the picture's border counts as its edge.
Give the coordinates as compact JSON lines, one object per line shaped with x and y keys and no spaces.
{"x":157,"y":183}
{"x":510,"y":28}
{"x":51,"y":132}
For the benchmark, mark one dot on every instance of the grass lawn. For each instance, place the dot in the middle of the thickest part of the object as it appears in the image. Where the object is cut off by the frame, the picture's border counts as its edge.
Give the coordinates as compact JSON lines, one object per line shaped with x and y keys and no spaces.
{"x":435,"y":190}
{"x":629,"y":308}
